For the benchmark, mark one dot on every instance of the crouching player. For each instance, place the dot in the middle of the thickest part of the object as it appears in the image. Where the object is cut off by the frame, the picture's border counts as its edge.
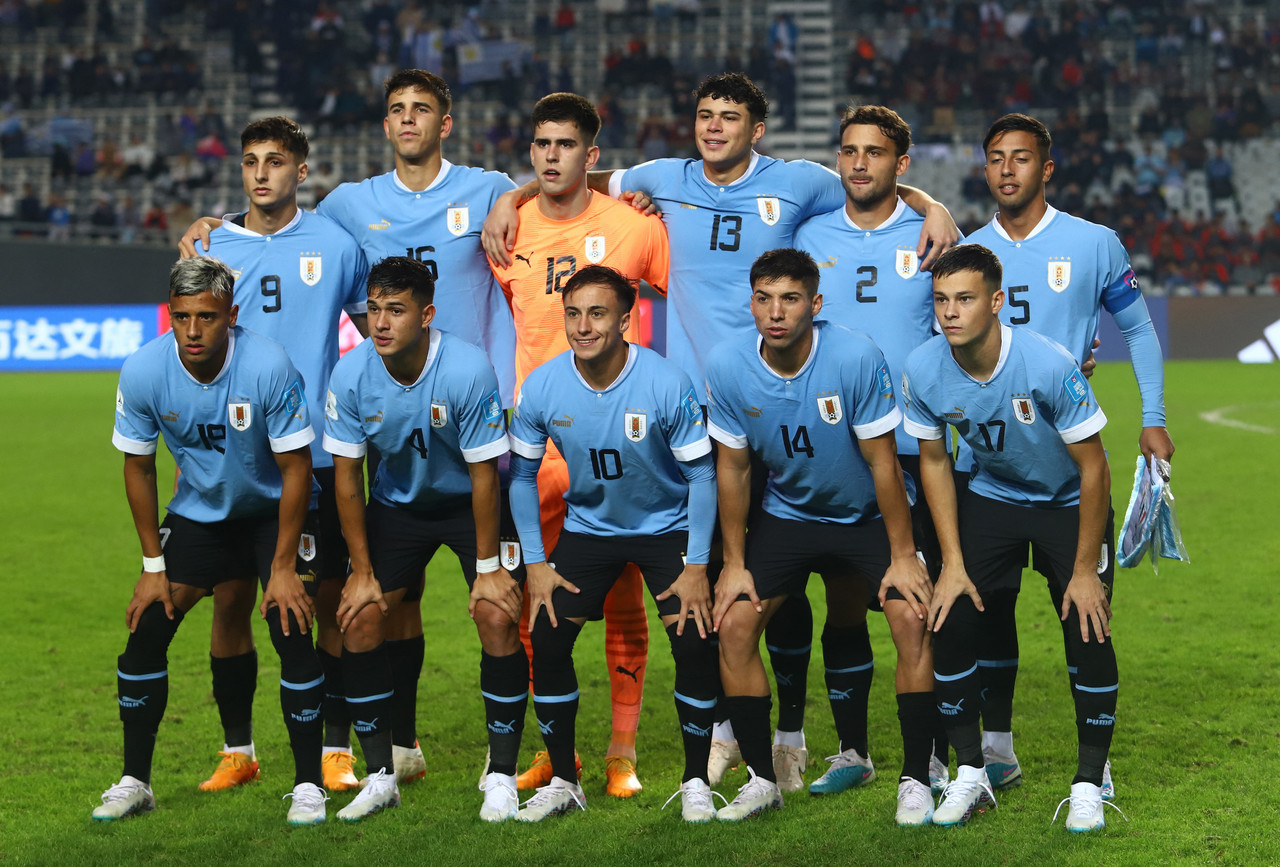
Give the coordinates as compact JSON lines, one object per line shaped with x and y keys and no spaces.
{"x":234,"y":415}
{"x":815,"y":403}
{"x":1022,"y":404}
{"x":641,"y":490}
{"x":429,"y":403}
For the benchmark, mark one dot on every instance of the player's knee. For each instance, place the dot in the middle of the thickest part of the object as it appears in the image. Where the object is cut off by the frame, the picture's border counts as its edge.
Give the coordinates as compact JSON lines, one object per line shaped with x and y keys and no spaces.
{"x":148,"y":644}
{"x":365,"y":631}
{"x":910,"y":635}
{"x":691,"y":651}
{"x":553,"y":645}
{"x":740,"y":631}
{"x":499,"y":634}
{"x":233,"y":603}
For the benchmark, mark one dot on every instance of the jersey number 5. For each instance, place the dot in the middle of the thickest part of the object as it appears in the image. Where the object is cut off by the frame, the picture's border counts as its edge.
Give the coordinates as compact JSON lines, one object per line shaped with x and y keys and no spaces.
{"x":1022,"y":304}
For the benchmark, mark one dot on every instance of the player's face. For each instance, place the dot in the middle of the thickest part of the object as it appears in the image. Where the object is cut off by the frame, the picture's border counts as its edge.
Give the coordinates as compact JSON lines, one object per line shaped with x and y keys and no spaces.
{"x":784,"y":311}
{"x":966,"y":310}
{"x":202,"y":325}
{"x":560,"y":158}
{"x":1016,"y":174}
{"x":724,"y":132}
{"x":594,"y":323}
{"x":414,"y":124}
{"x":868,"y":164}
{"x":270,"y":174}
{"x":397,"y":322}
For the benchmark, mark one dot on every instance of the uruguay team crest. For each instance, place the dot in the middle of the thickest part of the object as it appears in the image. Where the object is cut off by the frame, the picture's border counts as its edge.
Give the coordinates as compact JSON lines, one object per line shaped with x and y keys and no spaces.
{"x":1024,"y":410}
{"x":510,"y":554}
{"x":906,"y":264}
{"x":594,"y":249}
{"x":457,"y":220}
{"x":307,"y":547}
{"x":309,"y":269}
{"x":1059,"y":274}
{"x":635,"y":425}
{"x":770,"y":209}
{"x":829,"y":408}
{"x":240,"y":415}
{"x":439,"y":414}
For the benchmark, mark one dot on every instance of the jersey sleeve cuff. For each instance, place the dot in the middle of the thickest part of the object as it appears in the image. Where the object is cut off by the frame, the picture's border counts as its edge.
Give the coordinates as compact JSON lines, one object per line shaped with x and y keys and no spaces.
{"x":527,"y":450}
{"x":720,"y":435}
{"x":1085,"y":429}
{"x":882,"y":425}
{"x":479,"y":454}
{"x":920,"y":431}
{"x":132,"y":447}
{"x":693,"y":450}
{"x":615,"y":184}
{"x":293,"y":441}
{"x":344,"y":450}
{"x":360,"y":308}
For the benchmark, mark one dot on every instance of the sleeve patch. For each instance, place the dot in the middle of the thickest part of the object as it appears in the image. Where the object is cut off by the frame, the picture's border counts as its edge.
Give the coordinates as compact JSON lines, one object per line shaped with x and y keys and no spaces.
{"x":906,"y":389}
{"x":1130,"y":279}
{"x":693,"y":409}
{"x":491,"y":406}
{"x":1075,"y":387}
{"x":884,"y":381}
{"x":119,"y":401}
{"x":331,"y":406}
{"x":294,"y":397}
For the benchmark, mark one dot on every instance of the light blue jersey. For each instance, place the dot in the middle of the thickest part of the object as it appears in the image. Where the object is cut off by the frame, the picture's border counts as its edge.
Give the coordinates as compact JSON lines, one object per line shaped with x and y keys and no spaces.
{"x":623,"y":444}
{"x":872,"y":282}
{"x":427,"y":432}
{"x":440,"y":227}
{"x":1060,"y":277}
{"x":292,"y":286}
{"x":1018,"y":423}
{"x":717,"y":232}
{"x":222,"y":434}
{"x":805,"y":428}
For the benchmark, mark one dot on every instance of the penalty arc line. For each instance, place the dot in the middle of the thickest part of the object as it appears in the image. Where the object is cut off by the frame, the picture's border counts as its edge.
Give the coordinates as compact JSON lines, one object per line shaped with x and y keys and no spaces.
{"x":1219,"y":416}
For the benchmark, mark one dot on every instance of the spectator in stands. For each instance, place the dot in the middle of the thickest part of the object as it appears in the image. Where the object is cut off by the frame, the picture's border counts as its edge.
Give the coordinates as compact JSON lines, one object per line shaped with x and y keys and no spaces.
{"x":8,"y":205}
{"x":155,"y":222}
{"x":103,"y":218}
{"x":130,"y":220}
{"x":13,"y":137}
{"x":138,"y":158}
{"x":1219,"y":173}
{"x":109,"y":162}
{"x":652,"y":139}
{"x":58,"y":216}
{"x":566,"y":24}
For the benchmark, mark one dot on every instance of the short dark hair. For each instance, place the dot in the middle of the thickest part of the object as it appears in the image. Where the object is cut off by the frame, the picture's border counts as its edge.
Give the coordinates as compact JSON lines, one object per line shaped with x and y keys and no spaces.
{"x":568,"y":108}
{"x":970,"y":257}
{"x":396,"y":274}
{"x":419,"y":79}
{"x":603,"y":275}
{"x":735,"y":87}
{"x":202,"y":274}
{"x":278,"y":129}
{"x":888,"y":121}
{"x":786,"y":263}
{"x":1020,"y":123}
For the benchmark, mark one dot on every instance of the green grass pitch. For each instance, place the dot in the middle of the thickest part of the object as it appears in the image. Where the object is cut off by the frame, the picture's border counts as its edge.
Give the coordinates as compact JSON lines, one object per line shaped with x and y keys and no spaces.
{"x":1196,"y":756}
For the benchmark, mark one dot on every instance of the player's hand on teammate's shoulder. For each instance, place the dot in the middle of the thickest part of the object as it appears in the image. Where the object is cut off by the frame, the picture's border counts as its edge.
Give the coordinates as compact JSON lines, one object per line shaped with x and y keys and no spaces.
{"x":938,"y":235}
{"x":286,"y":590}
{"x":542,"y":580}
{"x":1088,"y":594}
{"x":693,"y":589}
{"x":498,"y":237}
{"x":640,"y":201}
{"x":908,"y":576}
{"x":361,"y":589}
{"x":197,"y":232}
{"x":952,"y":584}
{"x":151,"y":587}
{"x":497,"y":588}
{"x":1156,"y":441}
{"x":1090,"y":363}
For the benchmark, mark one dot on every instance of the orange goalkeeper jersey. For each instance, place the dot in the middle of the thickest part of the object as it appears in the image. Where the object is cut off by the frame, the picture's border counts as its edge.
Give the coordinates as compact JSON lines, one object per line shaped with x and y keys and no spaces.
{"x":548,"y":252}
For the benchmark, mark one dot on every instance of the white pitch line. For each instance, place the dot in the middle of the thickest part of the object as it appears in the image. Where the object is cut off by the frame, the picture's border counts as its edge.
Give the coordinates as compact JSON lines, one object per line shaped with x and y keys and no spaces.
{"x":1219,"y":416}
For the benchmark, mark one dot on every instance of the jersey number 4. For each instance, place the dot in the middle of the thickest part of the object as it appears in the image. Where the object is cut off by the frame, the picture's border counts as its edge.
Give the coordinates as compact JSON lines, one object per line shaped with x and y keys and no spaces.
{"x":797,"y":443}
{"x":417,"y":442}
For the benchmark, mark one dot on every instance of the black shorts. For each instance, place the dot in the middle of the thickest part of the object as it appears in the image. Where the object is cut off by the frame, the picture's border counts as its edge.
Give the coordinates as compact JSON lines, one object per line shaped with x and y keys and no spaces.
{"x":594,"y":563}
{"x":327,"y":547}
{"x":994,"y":536}
{"x":402,"y":542}
{"x":781,"y":554}
{"x":204,"y":555}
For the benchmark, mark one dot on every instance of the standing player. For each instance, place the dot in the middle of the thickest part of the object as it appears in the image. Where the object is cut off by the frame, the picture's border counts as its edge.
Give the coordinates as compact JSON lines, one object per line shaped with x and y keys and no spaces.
{"x":1060,"y":272}
{"x":641,"y":490}
{"x":815,"y":404}
{"x":233,"y":412}
{"x":871,"y":282}
{"x":1031,"y":420}
{"x":566,"y":227}
{"x":295,"y":274}
{"x":429,"y":403}
{"x":722,"y":212}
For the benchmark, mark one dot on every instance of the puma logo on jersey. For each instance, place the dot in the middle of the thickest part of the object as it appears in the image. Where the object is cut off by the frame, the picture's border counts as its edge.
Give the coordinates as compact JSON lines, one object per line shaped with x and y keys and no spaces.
{"x":374,"y":418}
{"x":170,"y":416}
{"x":376,"y":227}
{"x":634,"y":675}
{"x":524,"y":260}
